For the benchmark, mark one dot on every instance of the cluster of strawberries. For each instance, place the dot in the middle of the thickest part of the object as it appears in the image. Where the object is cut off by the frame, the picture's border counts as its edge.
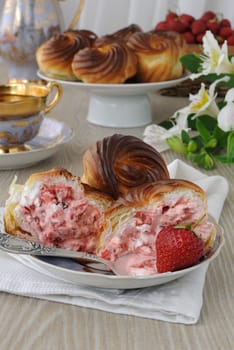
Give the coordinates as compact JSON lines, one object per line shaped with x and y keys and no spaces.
{"x":194,"y":29}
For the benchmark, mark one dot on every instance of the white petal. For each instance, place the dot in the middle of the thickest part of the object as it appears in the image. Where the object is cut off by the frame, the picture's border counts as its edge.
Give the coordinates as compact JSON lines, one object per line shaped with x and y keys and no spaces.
{"x":156,"y":136}
{"x":230,"y":95}
{"x":213,"y":85}
{"x":210,"y":43}
{"x":226,"y":117}
{"x":182,"y":118}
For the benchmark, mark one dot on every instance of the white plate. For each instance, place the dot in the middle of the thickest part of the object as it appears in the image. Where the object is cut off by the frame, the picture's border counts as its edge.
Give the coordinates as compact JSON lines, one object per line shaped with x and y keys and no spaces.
{"x":119,"y":105}
{"x":119,"y":89}
{"x":52,"y":135}
{"x":71,"y":271}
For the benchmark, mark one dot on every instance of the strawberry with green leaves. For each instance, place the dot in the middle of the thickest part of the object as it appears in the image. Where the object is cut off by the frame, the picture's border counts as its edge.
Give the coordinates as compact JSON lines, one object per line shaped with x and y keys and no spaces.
{"x":177,"y":248}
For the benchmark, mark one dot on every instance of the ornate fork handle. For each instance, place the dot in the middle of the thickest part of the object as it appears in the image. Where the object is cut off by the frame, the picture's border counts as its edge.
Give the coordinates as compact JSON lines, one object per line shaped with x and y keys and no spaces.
{"x":15,"y":245}
{"x":12,"y":244}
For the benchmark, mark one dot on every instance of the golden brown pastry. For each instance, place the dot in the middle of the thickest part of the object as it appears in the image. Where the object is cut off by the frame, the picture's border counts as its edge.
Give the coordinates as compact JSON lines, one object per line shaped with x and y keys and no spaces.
{"x":137,"y":219}
{"x":90,"y":35}
{"x":118,"y":163}
{"x":110,"y":63}
{"x":54,"y":57}
{"x":126,"y":32}
{"x":122,"y":34}
{"x":158,"y":55}
{"x":176,"y":37}
{"x":55,"y":209}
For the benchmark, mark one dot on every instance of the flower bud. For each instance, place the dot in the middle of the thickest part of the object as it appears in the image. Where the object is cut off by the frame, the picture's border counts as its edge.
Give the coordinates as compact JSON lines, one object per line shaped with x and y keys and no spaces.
{"x":212,"y":143}
{"x":192,"y":146}
{"x":176,"y":144}
{"x":208,"y":162}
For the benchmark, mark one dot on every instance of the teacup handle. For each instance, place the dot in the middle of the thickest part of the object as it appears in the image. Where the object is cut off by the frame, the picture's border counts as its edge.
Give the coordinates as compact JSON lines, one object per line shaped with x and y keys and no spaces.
{"x":51,"y":86}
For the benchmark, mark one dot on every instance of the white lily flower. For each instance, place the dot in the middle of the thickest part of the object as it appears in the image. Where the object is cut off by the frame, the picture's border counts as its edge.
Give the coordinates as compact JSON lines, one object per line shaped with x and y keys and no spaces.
{"x":156,"y":136}
{"x":204,"y":102}
{"x":229,"y":97}
{"x":214,"y":58}
{"x":226,"y":117}
{"x":181,"y":118}
{"x":201,"y":103}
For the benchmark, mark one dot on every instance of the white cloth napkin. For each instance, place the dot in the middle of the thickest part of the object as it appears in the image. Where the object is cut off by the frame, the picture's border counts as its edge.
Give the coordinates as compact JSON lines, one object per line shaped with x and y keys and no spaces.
{"x":178,"y":301}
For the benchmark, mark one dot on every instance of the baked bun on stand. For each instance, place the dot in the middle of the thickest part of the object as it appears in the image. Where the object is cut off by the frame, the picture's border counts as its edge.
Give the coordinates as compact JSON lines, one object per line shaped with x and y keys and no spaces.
{"x":107,"y":63}
{"x":158,"y":55}
{"x":54,"y":56}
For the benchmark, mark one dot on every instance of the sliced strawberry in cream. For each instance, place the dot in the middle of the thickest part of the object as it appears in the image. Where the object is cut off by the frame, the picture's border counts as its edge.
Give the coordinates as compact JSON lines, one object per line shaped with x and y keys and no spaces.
{"x":134,"y":239}
{"x":58,"y":215}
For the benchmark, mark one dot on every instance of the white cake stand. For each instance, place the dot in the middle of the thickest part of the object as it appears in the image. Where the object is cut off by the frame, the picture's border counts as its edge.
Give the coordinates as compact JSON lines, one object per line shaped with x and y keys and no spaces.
{"x":119,"y":105}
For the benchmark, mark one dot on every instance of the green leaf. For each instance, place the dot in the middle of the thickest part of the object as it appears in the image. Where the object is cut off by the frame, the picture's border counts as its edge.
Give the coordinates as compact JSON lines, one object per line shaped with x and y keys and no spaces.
{"x":191,"y":122}
{"x":223,"y":159}
{"x":205,"y":160}
{"x":212,"y":143}
{"x":227,"y":157}
{"x":221,"y":136}
{"x":230,"y":146}
{"x":167,"y":124}
{"x":176,"y":144}
{"x":209,"y":122}
{"x":192,"y":146}
{"x":203,"y":131}
{"x":213,"y":77}
{"x":185,"y":136}
{"x":191,"y":62}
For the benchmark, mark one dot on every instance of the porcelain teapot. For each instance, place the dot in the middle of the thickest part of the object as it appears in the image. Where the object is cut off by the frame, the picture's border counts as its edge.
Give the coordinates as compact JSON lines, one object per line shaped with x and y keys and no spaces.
{"x":24,"y":25}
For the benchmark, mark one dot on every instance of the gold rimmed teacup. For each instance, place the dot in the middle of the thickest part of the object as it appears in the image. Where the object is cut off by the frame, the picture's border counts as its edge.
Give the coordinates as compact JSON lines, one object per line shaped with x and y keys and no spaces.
{"x":23,"y":105}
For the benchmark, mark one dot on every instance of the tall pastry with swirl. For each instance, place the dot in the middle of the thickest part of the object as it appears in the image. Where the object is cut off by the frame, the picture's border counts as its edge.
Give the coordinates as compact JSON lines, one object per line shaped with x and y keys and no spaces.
{"x":107,"y":63}
{"x":119,"y":163}
{"x":121,"y":34}
{"x":158,"y":55}
{"x":54,"y":56}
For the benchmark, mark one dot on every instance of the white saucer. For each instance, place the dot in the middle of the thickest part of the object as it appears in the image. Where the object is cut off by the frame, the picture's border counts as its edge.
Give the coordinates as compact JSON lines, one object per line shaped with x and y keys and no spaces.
{"x":52,"y":135}
{"x":73,"y":272}
{"x":119,"y":105}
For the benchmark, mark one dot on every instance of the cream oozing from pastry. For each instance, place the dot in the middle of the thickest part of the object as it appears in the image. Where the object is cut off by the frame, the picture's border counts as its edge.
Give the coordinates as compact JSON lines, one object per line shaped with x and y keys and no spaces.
{"x":59,"y":215}
{"x":133,"y":244}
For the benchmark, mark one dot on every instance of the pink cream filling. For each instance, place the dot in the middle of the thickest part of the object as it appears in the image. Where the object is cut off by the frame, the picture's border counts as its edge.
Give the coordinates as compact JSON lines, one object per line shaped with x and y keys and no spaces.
{"x":62,"y":217}
{"x":133,"y":245}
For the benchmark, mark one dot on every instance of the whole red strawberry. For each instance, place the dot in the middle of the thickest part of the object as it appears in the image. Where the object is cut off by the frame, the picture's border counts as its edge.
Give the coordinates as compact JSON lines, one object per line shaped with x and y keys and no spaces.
{"x":177,"y":25}
{"x":198,"y":26}
{"x":177,"y":248}
{"x":208,"y":15}
{"x":171,"y":15}
{"x":213,"y":26}
{"x":225,"y":23}
{"x":189,"y":37}
{"x":230,"y":40}
{"x":163,"y":25}
{"x":225,"y":32}
{"x":186,"y":18}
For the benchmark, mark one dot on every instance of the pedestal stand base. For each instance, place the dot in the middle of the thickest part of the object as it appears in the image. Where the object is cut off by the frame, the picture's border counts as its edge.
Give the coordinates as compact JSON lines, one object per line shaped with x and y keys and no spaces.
{"x":119,"y":111}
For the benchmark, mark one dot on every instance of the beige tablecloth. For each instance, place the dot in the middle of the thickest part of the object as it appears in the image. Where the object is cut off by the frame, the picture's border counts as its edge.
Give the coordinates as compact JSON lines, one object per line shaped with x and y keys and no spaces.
{"x":29,"y":323}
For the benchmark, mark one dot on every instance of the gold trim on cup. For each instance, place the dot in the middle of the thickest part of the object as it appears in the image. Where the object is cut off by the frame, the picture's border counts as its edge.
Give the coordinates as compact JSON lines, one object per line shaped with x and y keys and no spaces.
{"x":58,"y":94}
{"x":21,"y":99}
